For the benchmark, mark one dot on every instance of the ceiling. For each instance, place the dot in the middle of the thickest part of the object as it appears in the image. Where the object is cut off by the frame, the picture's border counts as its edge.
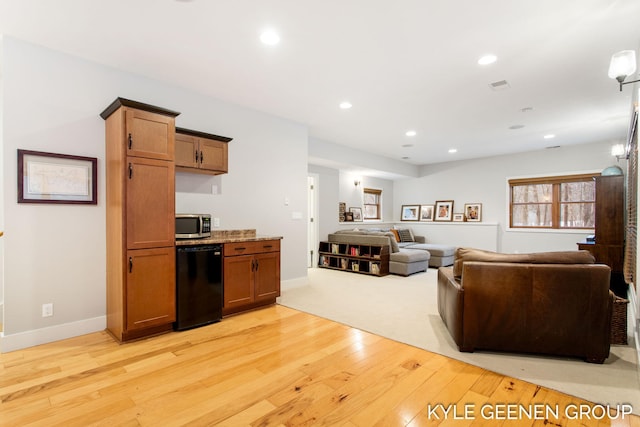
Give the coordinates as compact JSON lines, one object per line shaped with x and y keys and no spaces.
{"x":404,"y":65}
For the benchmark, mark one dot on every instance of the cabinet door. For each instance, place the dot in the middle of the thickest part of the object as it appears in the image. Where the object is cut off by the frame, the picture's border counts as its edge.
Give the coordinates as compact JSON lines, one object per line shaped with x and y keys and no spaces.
{"x":213,"y":155}
{"x":187,"y":151}
{"x":150,"y":288}
{"x":267,"y":275}
{"x":150,"y":199}
{"x":238,"y":280}
{"x":149,"y":135}
{"x":610,"y":210}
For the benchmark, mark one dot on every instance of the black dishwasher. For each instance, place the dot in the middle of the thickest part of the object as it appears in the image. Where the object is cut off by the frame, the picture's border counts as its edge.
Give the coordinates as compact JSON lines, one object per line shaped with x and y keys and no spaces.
{"x":198,"y":286}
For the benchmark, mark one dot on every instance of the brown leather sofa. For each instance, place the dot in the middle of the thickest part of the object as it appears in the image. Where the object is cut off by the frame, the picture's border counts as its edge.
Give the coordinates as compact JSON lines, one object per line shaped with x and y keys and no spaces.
{"x":555,"y":303}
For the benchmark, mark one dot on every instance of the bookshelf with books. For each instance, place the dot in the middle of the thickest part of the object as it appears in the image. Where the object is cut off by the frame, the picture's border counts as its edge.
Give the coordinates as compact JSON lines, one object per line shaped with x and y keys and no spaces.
{"x":364,"y":259}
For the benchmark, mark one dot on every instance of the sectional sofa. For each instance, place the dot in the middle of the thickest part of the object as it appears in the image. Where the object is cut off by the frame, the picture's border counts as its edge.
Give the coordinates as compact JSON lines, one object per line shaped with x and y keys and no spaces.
{"x":408,"y":254}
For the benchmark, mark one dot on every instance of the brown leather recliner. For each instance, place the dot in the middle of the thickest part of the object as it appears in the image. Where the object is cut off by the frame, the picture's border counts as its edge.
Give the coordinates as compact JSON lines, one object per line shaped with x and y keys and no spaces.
{"x":555,"y":303}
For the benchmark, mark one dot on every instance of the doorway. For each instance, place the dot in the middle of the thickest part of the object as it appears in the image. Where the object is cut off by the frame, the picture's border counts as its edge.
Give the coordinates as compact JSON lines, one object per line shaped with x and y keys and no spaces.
{"x":312,"y":222}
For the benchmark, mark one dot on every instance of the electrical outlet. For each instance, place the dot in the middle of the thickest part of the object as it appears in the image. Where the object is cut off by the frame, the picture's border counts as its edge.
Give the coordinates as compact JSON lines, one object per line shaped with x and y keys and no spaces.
{"x":47,"y":310}
{"x":216,"y":222}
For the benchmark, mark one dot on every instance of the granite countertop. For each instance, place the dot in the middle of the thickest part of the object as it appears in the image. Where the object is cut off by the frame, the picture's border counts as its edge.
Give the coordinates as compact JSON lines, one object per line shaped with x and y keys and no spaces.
{"x":227,"y":236}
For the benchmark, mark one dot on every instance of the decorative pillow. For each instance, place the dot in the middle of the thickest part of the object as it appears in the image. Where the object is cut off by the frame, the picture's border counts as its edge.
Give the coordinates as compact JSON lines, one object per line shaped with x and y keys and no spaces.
{"x":395,"y":233}
{"x":405,"y":235}
{"x":560,"y":257}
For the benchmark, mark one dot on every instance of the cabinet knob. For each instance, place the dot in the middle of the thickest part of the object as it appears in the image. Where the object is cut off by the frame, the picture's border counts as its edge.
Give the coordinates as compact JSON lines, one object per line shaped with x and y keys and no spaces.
{"x":130,"y":141}
{"x":130,"y":170}
{"x":201,"y":157}
{"x":130,"y":264}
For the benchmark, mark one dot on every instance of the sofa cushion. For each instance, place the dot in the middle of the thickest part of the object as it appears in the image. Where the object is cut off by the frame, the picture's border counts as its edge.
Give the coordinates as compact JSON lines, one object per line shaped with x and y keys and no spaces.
{"x":559,"y":257}
{"x":409,"y":256}
{"x":356,"y":231}
{"x":433,"y":248}
{"x":395,"y":233}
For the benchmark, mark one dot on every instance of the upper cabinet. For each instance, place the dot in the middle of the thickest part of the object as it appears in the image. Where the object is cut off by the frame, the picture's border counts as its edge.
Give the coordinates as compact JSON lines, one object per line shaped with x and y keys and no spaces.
{"x":201,"y":152}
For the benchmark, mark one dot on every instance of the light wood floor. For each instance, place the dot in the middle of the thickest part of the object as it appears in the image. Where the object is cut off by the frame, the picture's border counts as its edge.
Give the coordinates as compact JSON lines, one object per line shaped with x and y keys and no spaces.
{"x":274,"y":366}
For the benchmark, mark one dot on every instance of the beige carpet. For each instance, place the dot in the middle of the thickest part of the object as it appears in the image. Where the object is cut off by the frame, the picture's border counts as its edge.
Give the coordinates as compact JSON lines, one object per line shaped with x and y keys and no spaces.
{"x":405,"y":309}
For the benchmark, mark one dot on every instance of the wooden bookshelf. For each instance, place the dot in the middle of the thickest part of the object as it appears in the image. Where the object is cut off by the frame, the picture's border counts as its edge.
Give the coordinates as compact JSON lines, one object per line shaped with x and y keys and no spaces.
{"x":363,"y":259}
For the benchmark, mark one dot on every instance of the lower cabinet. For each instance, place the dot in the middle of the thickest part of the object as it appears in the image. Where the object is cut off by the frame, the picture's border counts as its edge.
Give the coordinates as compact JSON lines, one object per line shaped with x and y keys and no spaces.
{"x":251,"y":275}
{"x":150,"y":289}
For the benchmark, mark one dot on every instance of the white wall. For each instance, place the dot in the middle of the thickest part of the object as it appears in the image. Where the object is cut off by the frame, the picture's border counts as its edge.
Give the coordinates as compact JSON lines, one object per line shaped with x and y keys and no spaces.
{"x":1,"y":188}
{"x":485,"y":181}
{"x":56,"y":253}
{"x":471,"y":181}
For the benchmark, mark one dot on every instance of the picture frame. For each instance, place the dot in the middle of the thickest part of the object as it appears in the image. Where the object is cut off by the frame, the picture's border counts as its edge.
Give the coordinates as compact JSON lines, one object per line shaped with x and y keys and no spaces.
{"x":357,"y":214}
{"x":342,"y":208}
{"x":426,"y":212}
{"x":410,"y":212}
{"x":458,"y":217}
{"x":57,"y":178}
{"x":444,"y":210}
{"x":473,"y":212}
{"x":348,"y":217}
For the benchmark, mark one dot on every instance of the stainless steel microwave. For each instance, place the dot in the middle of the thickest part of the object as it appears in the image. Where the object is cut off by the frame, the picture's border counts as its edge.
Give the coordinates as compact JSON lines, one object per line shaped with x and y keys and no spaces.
{"x":193,"y":226}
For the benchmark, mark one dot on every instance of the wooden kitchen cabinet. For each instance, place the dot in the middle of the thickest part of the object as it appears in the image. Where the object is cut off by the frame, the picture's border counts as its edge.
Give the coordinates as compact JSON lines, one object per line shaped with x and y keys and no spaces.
{"x":251,"y":275}
{"x":140,"y":226}
{"x":150,"y":291}
{"x":608,"y":247}
{"x":149,"y":134}
{"x":201,"y":152}
{"x":150,"y":203}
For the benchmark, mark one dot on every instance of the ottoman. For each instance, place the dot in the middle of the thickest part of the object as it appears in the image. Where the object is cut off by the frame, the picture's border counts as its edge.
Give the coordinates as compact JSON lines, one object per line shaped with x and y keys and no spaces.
{"x":441,"y":255}
{"x":408,"y":261}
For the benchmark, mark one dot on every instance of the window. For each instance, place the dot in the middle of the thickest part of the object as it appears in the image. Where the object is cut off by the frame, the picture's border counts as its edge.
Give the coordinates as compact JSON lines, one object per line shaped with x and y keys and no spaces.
{"x":372,"y":209}
{"x":556,"y":202}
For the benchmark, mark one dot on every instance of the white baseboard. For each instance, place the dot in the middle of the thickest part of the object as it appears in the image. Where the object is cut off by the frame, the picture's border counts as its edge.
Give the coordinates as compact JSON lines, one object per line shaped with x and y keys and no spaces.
{"x":27,"y":339}
{"x":294,"y":283}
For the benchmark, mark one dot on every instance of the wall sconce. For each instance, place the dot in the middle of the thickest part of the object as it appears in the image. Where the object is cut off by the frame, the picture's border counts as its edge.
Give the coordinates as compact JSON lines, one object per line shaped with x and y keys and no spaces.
{"x":619,"y":151}
{"x":356,"y":182}
{"x":622,"y":65}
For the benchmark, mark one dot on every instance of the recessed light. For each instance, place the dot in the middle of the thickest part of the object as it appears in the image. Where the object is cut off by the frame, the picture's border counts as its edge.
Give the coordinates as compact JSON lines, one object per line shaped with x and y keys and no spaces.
{"x":549,"y":136}
{"x":407,"y":145}
{"x":453,"y":150}
{"x":345,"y":105}
{"x":405,"y":158}
{"x":526,"y":109}
{"x":514,"y":127}
{"x":487,"y":59}
{"x":270,"y":38}
{"x":411,"y":133}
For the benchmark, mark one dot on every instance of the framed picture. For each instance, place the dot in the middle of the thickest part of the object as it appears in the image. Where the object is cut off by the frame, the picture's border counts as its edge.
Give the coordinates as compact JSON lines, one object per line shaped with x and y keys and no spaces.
{"x":57,"y":178}
{"x":410,"y":212}
{"x":357,"y":214}
{"x":342,"y":208}
{"x":426,"y":213}
{"x":444,"y":210}
{"x":348,"y":217}
{"x":458,"y":217}
{"x":473,"y":211}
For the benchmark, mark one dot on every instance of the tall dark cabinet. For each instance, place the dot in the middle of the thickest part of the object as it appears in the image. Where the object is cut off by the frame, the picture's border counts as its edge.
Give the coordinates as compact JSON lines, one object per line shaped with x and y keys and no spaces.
{"x":608,"y":247}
